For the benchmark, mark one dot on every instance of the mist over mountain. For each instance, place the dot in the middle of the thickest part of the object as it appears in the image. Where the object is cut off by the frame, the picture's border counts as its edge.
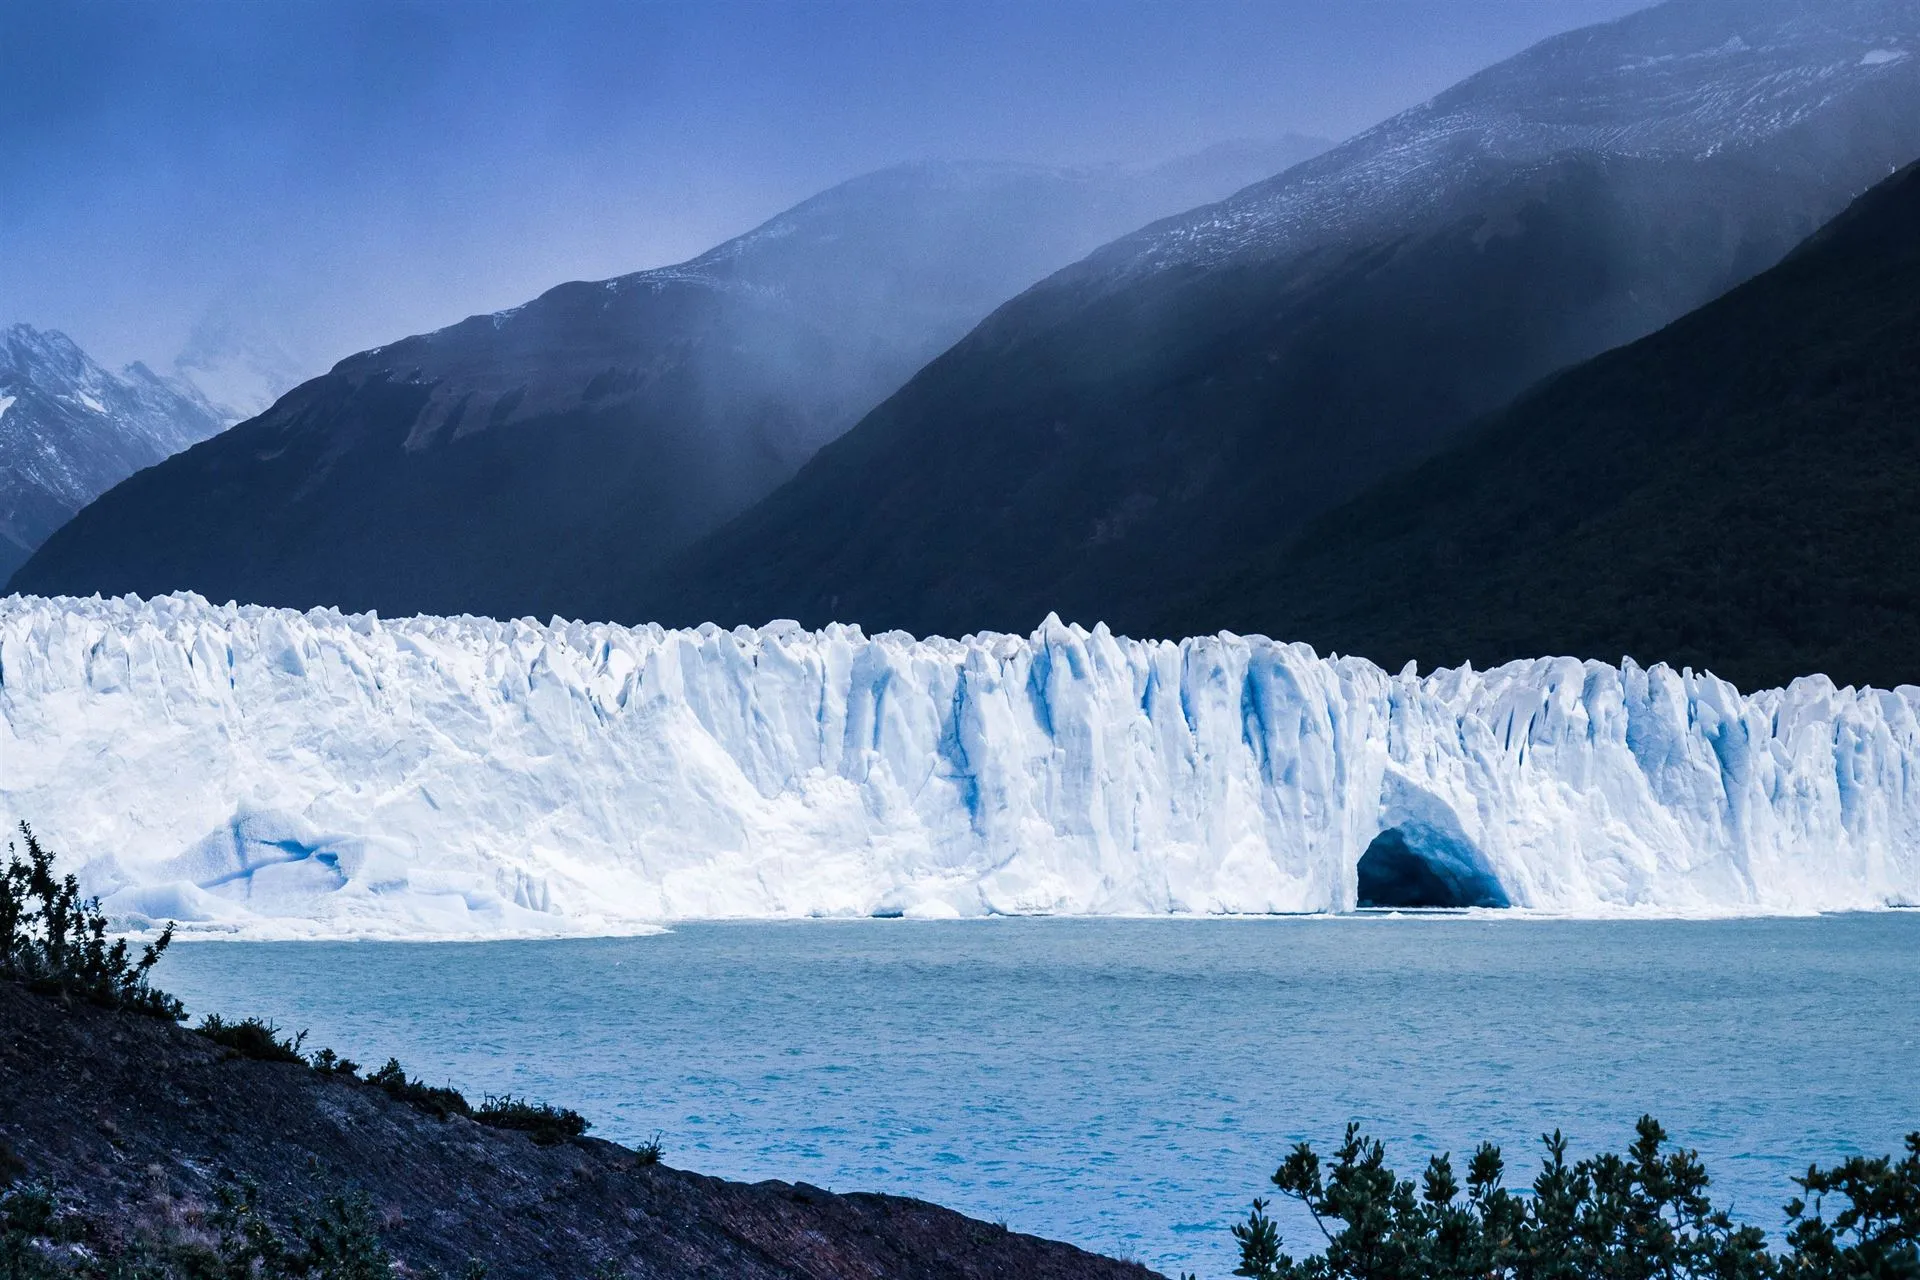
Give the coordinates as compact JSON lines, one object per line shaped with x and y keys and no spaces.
{"x":239,"y":368}
{"x":537,"y":460}
{"x":1733,"y":493}
{"x":1203,"y":388}
{"x":70,"y":430}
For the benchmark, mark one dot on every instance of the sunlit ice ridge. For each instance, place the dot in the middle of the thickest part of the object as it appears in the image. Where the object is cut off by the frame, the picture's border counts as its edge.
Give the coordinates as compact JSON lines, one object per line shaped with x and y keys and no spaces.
{"x":271,"y":773}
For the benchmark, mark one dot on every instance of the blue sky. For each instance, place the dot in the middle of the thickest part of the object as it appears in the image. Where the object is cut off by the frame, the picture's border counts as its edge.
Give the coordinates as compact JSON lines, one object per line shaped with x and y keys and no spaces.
{"x":335,"y":175}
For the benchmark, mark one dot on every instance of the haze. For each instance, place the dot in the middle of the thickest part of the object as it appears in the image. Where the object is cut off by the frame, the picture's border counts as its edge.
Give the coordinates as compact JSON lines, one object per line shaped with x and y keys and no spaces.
{"x":311,"y":179}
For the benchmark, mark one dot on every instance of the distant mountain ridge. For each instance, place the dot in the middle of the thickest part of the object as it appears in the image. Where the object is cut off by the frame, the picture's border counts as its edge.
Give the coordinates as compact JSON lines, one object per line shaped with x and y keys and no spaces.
{"x":536,"y":460}
{"x":1734,"y":493}
{"x":70,"y":430}
{"x":1692,"y":78}
{"x":1204,"y":387}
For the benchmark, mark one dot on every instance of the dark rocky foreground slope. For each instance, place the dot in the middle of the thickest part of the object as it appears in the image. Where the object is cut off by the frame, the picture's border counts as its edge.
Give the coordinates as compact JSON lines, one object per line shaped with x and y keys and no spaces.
{"x":137,"y":1123}
{"x":1735,"y":492}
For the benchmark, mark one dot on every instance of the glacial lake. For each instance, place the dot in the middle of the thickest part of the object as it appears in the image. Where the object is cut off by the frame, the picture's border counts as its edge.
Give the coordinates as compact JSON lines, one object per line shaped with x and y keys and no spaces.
{"x":1130,"y":1084}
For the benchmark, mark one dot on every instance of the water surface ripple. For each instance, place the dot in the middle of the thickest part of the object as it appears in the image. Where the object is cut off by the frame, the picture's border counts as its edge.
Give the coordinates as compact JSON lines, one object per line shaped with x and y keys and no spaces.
{"x":1129,"y":1084}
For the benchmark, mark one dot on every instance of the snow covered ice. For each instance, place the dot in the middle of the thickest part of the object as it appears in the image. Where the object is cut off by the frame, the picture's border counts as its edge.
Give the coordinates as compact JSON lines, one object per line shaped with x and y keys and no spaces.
{"x":273,"y":773}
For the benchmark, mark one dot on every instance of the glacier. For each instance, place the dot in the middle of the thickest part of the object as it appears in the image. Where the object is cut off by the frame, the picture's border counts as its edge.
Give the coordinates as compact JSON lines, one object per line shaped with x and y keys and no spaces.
{"x":270,"y":773}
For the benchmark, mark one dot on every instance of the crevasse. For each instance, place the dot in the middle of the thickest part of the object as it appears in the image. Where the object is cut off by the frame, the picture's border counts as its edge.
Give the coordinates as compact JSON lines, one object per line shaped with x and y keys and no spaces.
{"x":276,"y":773}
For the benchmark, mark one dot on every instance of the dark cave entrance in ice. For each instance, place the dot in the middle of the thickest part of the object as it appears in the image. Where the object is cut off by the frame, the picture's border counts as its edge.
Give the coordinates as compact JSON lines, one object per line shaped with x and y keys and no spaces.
{"x":1416,"y":866}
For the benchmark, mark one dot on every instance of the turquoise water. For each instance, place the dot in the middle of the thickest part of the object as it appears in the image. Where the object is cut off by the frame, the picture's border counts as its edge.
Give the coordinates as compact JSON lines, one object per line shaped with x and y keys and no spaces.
{"x":1129,"y":1085}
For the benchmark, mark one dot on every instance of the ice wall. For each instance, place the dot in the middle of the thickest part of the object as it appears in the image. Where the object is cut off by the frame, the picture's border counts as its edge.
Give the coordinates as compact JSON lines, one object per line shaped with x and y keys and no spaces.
{"x":320,"y":774}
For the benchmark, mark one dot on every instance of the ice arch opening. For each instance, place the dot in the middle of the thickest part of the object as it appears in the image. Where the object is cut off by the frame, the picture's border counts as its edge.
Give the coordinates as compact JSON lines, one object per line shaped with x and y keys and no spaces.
{"x":1414,"y":865}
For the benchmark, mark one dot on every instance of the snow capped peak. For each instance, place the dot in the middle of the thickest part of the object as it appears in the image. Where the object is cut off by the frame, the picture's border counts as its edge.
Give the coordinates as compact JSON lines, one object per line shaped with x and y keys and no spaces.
{"x":23,"y":336}
{"x":25,"y":350}
{"x":70,"y":429}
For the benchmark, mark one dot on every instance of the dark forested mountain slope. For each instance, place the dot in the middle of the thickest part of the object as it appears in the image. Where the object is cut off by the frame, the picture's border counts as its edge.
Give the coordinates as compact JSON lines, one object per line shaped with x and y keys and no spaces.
{"x":1212,"y":382}
{"x":521,"y":463}
{"x":70,"y":430}
{"x":1736,"y":492}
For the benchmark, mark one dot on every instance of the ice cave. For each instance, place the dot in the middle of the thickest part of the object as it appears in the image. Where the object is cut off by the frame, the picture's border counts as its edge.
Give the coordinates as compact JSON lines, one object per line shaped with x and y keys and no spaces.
{"x":1414,"y":866}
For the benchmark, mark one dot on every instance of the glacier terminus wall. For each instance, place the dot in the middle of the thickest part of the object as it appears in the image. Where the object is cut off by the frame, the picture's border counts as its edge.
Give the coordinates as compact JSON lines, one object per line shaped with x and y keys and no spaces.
{"x":273,"y":773}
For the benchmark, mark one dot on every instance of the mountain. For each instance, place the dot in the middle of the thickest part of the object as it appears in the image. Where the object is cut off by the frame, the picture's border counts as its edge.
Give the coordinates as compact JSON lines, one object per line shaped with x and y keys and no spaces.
{"x":535,"y":461}
{"x":1734,"y":492}
{"x":70,"y":430}
{"x":280,"y":774}
{"x":1209,"y":384}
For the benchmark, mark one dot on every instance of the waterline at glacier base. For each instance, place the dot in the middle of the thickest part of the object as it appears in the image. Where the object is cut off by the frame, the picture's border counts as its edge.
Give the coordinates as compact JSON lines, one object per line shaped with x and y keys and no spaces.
{"x":268,"y":773}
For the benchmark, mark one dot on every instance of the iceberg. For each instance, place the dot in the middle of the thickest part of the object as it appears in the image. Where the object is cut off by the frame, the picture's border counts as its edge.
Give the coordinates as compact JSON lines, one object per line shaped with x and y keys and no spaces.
{"x":268,"y":773}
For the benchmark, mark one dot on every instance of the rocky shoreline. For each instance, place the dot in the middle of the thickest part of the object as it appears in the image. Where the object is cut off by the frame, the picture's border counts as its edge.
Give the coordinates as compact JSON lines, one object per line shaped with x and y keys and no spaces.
{"x":136,"y":1124}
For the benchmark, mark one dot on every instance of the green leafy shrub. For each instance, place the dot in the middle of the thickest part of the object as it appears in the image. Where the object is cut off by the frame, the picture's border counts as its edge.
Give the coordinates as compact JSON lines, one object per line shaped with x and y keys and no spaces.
{"x":434,"y":1100}
{"x":55,"y":941}
{"x":28,"y":1223}
{"x":648,"y":1153}
{"x":329,"y":1063}
{"x":253,"y":1038}
{"x":546,"y":1124}
{"x":332,"y":1239}
{"x":1644,"y":1215}
{"x":1877,"y":1233}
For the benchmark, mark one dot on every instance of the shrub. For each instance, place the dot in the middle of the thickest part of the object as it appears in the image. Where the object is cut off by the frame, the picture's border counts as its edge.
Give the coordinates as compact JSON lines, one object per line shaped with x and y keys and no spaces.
{"x":28,"y":1219}
{"x":262,"y":1041}
{"x":331,"y":1237}
{"x":54,"y":940}
{"x":329,"y":1063}
{"x":433,"y":1100}
{"x":1642,"y":1215}
{"x":254,"y":1039}
{"x":335,"y":1240}
{"x":546,"y":1124}
{"x":648,"y":1153}
{"x":1876,"y":1234}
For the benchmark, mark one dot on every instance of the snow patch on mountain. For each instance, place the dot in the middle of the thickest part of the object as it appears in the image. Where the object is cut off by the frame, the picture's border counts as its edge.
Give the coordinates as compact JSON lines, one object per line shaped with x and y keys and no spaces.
{"x":70,"y":430}
{"x":1686,"y":78}
{"x":274,"y":773}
